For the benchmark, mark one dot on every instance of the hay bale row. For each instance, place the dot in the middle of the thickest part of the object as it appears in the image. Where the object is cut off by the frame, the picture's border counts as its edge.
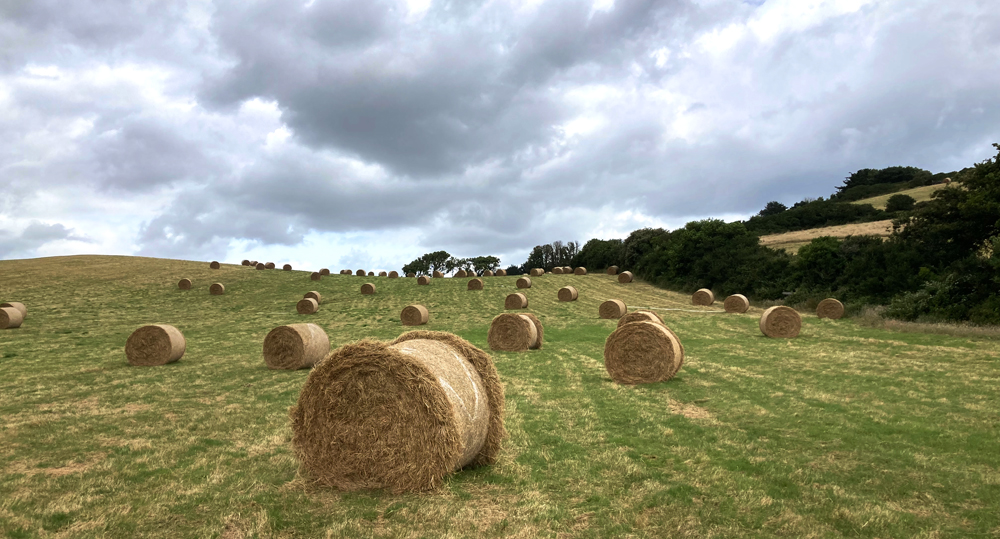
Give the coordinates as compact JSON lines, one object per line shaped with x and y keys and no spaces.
{"x":703,"y":297}
{"x":217,"y":289}
{"x":781,"y":322}
{"x":153,"y":345}
{"x":830,"y":308}
{"x":10,"y":317}
{"x":568,"y":293}
{"x":524,"y":282}
{"x":736,"y":303}
{"x":612,"y":270}
{"x":475,"y":284}
{"x":367,"y":289}
{"x":295,"y":346}
{"x":612,"y":309}
{"x":642,"y":352}
{"x":414,"y":315}
{"x":625,"y":277}
{"x":511,"y":332}
{"x":516,"y":301}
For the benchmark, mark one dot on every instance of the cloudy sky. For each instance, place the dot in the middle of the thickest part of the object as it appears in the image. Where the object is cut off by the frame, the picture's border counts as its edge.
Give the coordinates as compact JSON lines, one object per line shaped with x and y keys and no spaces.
{"x":362,"y":134}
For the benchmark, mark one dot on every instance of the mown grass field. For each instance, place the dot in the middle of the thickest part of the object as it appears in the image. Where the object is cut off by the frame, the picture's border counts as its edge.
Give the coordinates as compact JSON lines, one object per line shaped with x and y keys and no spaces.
{"x":845,"y":431}
{"x":919,"y":194}
{"x":793,"y":241}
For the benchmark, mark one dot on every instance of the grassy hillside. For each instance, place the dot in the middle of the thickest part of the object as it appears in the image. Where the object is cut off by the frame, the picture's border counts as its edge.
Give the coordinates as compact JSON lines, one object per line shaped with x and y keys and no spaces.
{"x":843,"y":431}
{"x":792,"y":241}
{"x":920,"y":194}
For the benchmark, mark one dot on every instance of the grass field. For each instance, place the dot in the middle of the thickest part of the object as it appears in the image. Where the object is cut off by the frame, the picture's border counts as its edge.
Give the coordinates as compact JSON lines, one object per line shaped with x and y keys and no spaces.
{"x":845,"y":431}
{"x":919,"y":194}
{"x":792,"y":241}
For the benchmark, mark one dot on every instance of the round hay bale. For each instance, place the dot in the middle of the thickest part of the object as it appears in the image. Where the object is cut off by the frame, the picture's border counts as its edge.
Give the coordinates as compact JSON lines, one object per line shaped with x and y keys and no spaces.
{"x":414,"y":315}
{"x":261,"y":266}
{"x":269,"y":265}
{"x":184,"y":284}
{"x":580,"y":271}
{"x":394,"y":275}
{"x":307,"y":306}
{"x":315,"y":276}
{"x":286,"y":267}
{"x":411,"y":275}
{"x":557,"y":271}
{"x":253,"y":263}
{"x":703,"y":297}
{"x":10,"y":318}
{"x":214,"y":265}
{"x":736,"y":303}
{"x":295,"y":346}
{"x":314,"y":295}
{"x":524,"y":282}
{"x":360,"y":273}
{"x":487,"y":273}
{"x":612,"y":270}
{"x":383,"y":274}
{"x":781,"y":322}
{"x":650,"y":316}
{"x":535,"y":272}
{"x":438,"y":275}
{"x":217,"y":289}
{"x":371,"y":273}
{"x":501,"y":273}
{"x":642,"y":353}
{"x":461,"y":273}
{"x":367,"y":289}
{"x":511,"y":332}
{"x":516,"y":301}
{"x":612,"y":309}
{"x":538,"y":329}
{"x":423,"y":279}
{"x":324,"y":271}
{"x":16,"y":305}
{"x":245,"y":263}
{"x":625,"y":277}
{"x":567,"y":270}
{"x":154,"y":345}
{"x":568,"y":293}
{"x":398,"y":416}
{"x":830,"y":308}
{"x":475,"y":284}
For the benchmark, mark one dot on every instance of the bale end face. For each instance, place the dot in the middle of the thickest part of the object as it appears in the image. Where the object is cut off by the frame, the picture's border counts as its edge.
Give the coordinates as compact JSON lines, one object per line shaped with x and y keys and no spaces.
{"x":414,"y":315}
{"x":475,"y":284}
{"x":580,"y":271}
{"x":736,"y":303}
{"x":501,"y":273}
{"x":516,"y":301}
{"x":423,"y":279}
{"x":155,"y":345}
{"x":184,"y":284}
{"x":367,"y":289}
{"x":487,"y":273}
{"x":245,"y":263}
{"x":612,"y":309}
{"x":307,"y":306}
{"x":269,"y":265}
{"x":513,"y":333}
{"x":16,"y":305}
{"x":625,"y":277}
{"x":781,"y":322}
{"x":217,"y":289}
{"x":10,"y":318}
{"x":642,"y":353}
{"x":438,"y":275}
{"x":394,"y":275}
{"x":214,"y":265}
{"x":830,"y":308}
{"x":314,"y":295}
{"x":612,"y":270}
{"x":383,"y":274}
{"x":568,"y":293}
{"x":411,"y":275}
{"x":703,"y":297}
{"x":286,"y":267}
{"x":295,"y":346}
{"x":557,"y":271}
{"x":524,"y":282}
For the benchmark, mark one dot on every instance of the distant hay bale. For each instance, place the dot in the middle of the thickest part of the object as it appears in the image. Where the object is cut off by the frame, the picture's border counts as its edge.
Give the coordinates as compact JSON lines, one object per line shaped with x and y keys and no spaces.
{"x":269,"y":265}
{"x":367,"y":289}
{"x":371,"y":273}
{"x":557,"y":271}
{"x":253,"y":263}
{"x":154,"y":345}
{"x":10,"y":317}
{"x":438,"y":275}
{"x":612,"y":270}
{"x":16,"y":305}
{"x":383,"y":274}
{"x":580,"y":271}
{"x":625,"y":277}
{"x":360,"y":273}
{"x":460,"y":273}
{"x":516,"y":301}
{"x":736,"y":303}
{"x":567,"y":269}
{"x":830,"y":308}
{"x":642,"y":353}
{"x":487,"y":273}
{"x":703,"y":297}
{"x":524,"y":282}
{"x":568,"y":293}
{"x":217,"y":289}
{"x":423,"y":279}
{"x":612,"y":309}
{"x":501,"y":273}
{"x":346,"y":272}
{"x":475,"y":284}
{"x":947,"y":180}
{"x":314,"y":295}
{"x":315,"y":276}
{"x":324,"y":271}
{"x":394,"y":275}
{"x":411,"y":275}
{"x":286,"y":267}
{"x":398,"y":416}
{"x":184,"y":284}
{"x":535,"y":272}
{"x":414,"y":315}
{"x":295,"y":346}
{"x":245,"y":263}
{"x":511,"y":332}
{"x":214,"y":265}
{"x":307,"y":306}
{"x":781,"y":322}
{"x":261,"y":266}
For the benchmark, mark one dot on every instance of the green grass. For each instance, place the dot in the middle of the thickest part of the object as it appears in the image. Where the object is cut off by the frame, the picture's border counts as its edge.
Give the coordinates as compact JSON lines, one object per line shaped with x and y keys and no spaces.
{"x":919,"y":194}
{"x":846,"y":430}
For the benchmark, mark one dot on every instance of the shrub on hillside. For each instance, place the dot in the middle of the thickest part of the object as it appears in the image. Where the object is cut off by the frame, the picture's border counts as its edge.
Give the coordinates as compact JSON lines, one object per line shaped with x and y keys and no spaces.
{"x":899,"y":203}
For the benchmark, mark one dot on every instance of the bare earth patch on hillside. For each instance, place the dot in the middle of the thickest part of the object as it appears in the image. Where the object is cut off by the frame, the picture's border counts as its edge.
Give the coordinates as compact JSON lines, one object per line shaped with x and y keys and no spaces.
{"x":791,"y":241}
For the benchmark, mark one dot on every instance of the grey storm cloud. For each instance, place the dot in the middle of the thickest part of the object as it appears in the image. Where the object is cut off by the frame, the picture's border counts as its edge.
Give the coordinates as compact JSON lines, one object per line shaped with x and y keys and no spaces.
{"x":34,"y":236}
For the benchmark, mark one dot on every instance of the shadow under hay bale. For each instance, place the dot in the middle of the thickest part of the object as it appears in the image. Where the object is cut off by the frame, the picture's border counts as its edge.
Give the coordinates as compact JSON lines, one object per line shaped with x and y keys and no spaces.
{"x":307,"y":306}
{"x":625,"y":277}
{"x":10,"y":318}
{"x":511,"y":332}
{"x":830,"y":308}
{"x":642,"y":353}
{"x":524,"y":282}
{"x":314,"y":295}
{"x":580,"y":271}
{"x":516,"y":301}
{"x":612,"y":270}
{"x":295,"y":346}
{"x":155,"y":345}
{"x":736,"y":303}
{"x":16,"y":305}
{"x":286,"y":267}
{"x":367,"y":289}
{"x":394,"y":275}
{"x":217,"y":289}
{"x":703,"y":297}
{"x":398,"y":416}
{"x":612,"y":309}
{"x":214,"y":265}
{"x":414,"y":315}
{"x":568,"y":293}
{"x":315,"y":276}
{"x":475,"y":284}
{"x":781,"y":322}
{"x":501,"y":273}
{"x":184,"y":284}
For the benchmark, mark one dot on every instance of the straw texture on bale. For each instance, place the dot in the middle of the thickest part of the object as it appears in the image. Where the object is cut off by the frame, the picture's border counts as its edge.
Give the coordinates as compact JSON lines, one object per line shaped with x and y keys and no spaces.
{"x":461,"y":273}
{"x":383,"y":274}
{"x":314,"y":295}
{"x":269,"y":265}
{"x":625,"y":277}
{"x":535,"y":272}
{"x":557,"y":271}
{"x":612,"y":270}
{"x":414,"y":315}
{"x":524,"y":282}
{"x":371,"y":273}
{"x":568,"y":293}
{"x":360,"y":273}
{"x":394,"y":275}
{"x":154,"y":345}
{"x":516,"y":301}
{"x":475,"y":284}
{"x":580,"y":271}
{"x":17,"y":305}
{"x":612,"y":309}
{"x":10,"y":318}
{"x":487,"y":273}
{"x":286,"y":267}
{"x":398,"y":416}
{"x":295,"y":346}
{"x":245,"y":263}
{"x":538,"y":329}
{"x":781,"y":322}
{"x":736,"y":303}
{"x":423,"y":279}
{"x":217,"y":289}
{"x":367,"y":289}
{"x":184,"y":284}
{"x":315,"y":276}
{"x":438,"y":275}
{"x":511,"y":332}
{"x":307,"y":306}
{"x":411,"y":275}
{"x":253,"y":263}
{"x":650,"y":316}
{"x":830,"y":308}
{"x":261,"y":266}
{"x":703,"y":297}
{"x":642,"y":353}
{"x":501,"y":273}
{"x":214,"y":265}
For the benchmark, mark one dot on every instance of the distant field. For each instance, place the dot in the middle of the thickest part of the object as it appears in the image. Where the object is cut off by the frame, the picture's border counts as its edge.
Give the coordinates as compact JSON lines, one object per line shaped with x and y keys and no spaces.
{"x":792,"y":241}
{"x":920,"y":194}
{"x":844,"y":431}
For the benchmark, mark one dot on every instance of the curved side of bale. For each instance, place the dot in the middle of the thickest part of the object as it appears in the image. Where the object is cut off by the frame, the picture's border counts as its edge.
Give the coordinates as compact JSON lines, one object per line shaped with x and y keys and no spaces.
{"x":314,"y":295}
{"x":154,"y":345}
{"x":371,"y":273}
{"x":184,"y":284}
{"x":516,"y":301}
{"x":217,"y":289}
{"x":475,"y":284}
{"x":568,"y":293}
{"x":414,"y":315}
{"x":423,"y":279}
{"x":524,"y":282}
{"x":703,"y":297}
{"x":411,"y":275}
{"x":360,"y":273}
{"x":307,"y":306}
{"x":557,"y":271}
{"x":625,"y":277}
{"x":315,"y":276}
{"x":269,"y":265}
{"x":383,"y":274}
{"x":781,"y":322}
{"x":511,"y":332}
{"x":501,"y":273}
{"x":538,"y":330}
{"x":261,"y":266}
{"x":295,"y":346}
{"x":487,"y":273}
{"x":254,"y":263}
{"x":612,"y":270}
{"x":368,"y":289}
{"x":324,"y":271}
{"x":437,"y":275}
{"x":642,"y":353}
{"x":830,"y":308}
{"x":215,"y":265}
{"x":736,"y":303}
{"x":612,"y":309}
{"x":286,"y":267}
{"x":245,"y":263}
{"x":393,"y":275}
{"x":10,"y":318}
{"x":535,"y":272}
{"x":640,"y":316}
{"x":17,"y":305}
{"x":580,"y":271}
{"x":461,"y":273}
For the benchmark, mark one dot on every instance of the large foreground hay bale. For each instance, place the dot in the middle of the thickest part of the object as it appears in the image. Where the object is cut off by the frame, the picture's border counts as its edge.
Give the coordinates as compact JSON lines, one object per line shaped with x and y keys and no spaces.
{"x":307,"y":306}
{"x":437,"y":274}
{"x":461,"y":273}
{"x":642,"y":353}
{"x":383,"y":274}
{"x":217,"y":289}
{"x":184,"y":284}
{"x":157,"y":344}
{"x":261,"y":266}
{"x":524,"y":282}
{"x":612,"y":309}
{"x":269,"y":265}
{"x":295,"y":346}
{"x":286,"y":267}
{"x":398,"y":416}
{"x":580,"y":271}
{"x":781,"y":322}
{"x":736,"y":303}
{"x":650,"y":316}
{"x":315,"y":276}
{"x":568,"y":293}
{"x":10,"y":318}
{"x":501,"y":273}
{"x":830,"y":308}
{"x":394,"y":275}
{"x":557,"y":271}
{"x":511,"y":332}
{"x":703,"y":297}
{"x":16,"y":305}
{"x":487,"y":273}
{"x":414,"y":315}
{"x":423,"y":279}
{"x":314,"y":295}
{"x":475,"y":284}
{"x":612,"y":270}
{"x":516,"y":301}
{"x":625,"y":277}
{"x":215,"y":265}
{"x":367,"y":289}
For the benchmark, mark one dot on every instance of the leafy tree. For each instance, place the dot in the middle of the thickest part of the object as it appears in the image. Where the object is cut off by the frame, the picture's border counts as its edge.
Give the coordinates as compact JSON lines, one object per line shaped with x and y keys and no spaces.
{"x":551,"y":255}
{"x":428,"y":263}
{"x":637,"y":245}
{"x":899,"y":203}
{"x":480,"y":264}
{"x":599,"y":254}
{"x":772,"y":208}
